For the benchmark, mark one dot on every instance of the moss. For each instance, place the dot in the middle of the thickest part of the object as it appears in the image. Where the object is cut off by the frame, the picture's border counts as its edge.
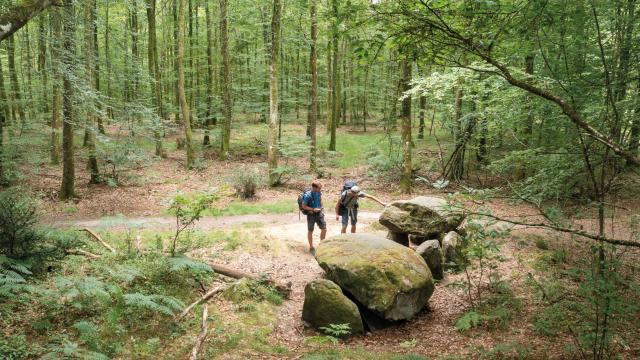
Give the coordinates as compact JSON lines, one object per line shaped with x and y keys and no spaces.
{"x":376,"y":271}
{"x":325,"y":304}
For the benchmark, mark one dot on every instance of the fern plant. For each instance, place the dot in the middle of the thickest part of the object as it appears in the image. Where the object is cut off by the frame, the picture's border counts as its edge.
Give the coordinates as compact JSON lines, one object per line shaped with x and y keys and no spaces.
{"x":166,"y":305}
{"x":12,"y":277}
{"x":337,"y":330}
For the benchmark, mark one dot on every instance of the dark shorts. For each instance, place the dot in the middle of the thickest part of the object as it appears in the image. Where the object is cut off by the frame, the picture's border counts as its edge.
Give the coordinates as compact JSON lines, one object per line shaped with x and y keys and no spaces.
{"x":316,"y":218}
{"x":349,"y":213}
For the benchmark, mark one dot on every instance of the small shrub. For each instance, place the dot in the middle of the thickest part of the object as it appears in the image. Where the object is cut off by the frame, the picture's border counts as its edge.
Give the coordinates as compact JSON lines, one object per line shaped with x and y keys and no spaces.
{"x":18,"y":236}
{"x":337,"y":330}
{"x":246,"y":182}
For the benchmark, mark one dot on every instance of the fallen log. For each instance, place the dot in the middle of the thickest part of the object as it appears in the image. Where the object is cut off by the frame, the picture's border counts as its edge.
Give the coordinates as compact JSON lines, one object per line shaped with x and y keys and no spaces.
{"x":203,"y":335}
{"x":283,"y":289}
{"x":99,"y":239}
{"x":204,"y":298}
{"x":83,"y":253}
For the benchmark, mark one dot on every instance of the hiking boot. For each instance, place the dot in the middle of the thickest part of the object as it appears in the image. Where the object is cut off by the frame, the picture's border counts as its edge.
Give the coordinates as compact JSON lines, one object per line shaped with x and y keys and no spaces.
{"x":312,"y":250}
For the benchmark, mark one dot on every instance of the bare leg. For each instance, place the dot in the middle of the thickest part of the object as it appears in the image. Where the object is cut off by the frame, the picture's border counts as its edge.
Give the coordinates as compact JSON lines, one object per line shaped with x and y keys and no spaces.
{"x":323,"y":234}
{"x":353,"y":228}
{"x":343,"y":230}
{"x":310,"y":238}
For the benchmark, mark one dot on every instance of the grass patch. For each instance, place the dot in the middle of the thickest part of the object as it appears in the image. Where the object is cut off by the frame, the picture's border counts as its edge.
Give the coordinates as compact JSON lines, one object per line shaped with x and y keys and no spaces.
{"x":236,"y":208}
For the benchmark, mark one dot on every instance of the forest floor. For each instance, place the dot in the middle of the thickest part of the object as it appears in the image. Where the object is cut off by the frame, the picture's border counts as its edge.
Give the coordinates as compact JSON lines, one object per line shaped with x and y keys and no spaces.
{"x":265,"y":236}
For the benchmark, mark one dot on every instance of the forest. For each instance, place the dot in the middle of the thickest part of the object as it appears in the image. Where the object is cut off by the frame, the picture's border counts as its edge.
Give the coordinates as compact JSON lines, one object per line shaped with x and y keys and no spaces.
{"x":152,"y":151}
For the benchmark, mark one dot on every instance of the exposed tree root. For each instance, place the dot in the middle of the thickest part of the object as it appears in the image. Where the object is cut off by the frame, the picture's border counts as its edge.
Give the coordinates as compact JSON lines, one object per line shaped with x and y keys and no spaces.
{"x":203,"y":334}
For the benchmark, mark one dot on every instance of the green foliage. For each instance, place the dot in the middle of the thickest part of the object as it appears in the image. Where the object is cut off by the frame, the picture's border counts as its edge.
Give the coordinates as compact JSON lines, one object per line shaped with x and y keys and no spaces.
{"x":246,"y":182}
{"x":166,"y":305}
{"x":19,"y":237}
{"x":182,"y":263}
{"x":13,"y":275}
{"x":337,"y":330}
{"x":17,"y":347}
{"x":188,"y":210}
{"x":289,"y":148}
{"x":470,"y":320}
{"x":119,"y":157}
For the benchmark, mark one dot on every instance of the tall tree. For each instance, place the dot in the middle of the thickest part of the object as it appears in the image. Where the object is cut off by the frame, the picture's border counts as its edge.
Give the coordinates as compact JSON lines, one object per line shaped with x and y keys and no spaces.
{"x":90,"y":73}
{"x":272,"y":146}
{"x":313,"y":89}
{"x":17,"y":108}
{"x":56,"y":78}
{"x":407,"y":166}
{"x":184,"y":105}
{"x":154,"y":76}
{"x":226,"y":82}
{"x":15,"y":17}
{"x":67,"y":189}
{"x":335,"y":80}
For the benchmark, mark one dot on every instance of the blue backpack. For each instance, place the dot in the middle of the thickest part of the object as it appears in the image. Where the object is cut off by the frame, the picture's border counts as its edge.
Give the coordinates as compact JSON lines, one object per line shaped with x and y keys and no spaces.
{"x":304,"y":193}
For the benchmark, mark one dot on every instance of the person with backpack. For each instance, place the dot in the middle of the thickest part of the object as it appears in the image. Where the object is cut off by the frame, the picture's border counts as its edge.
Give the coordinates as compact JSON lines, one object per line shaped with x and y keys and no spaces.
{"x":310,"y":203}
{"x":347,"y":206}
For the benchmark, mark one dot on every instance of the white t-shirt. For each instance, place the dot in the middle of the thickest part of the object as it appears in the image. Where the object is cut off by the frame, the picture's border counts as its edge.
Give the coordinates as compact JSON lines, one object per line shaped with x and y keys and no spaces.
{"x":349,"y":199}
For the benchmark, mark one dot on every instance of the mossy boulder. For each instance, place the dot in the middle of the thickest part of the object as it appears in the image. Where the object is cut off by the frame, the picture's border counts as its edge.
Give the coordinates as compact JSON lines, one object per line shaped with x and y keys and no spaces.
{"x":423,"y":216}
{"x":239,"y":291}
{"x":325,"y":304}
{"x":383,"y":276}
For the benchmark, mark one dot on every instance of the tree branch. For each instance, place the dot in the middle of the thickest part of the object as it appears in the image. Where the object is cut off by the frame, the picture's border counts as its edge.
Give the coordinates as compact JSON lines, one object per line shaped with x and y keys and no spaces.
{"x":561,"y":229}
{"x":13,"y":19}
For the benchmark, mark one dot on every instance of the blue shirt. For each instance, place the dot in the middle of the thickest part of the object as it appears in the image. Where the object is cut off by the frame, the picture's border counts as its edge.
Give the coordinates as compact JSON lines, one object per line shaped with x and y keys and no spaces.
{"x":312,"y":199}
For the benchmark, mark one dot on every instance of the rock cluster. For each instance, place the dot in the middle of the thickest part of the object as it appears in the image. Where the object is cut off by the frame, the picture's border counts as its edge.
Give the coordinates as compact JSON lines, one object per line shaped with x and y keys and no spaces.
{"x":384,"y":281}
{"x":429,"y":224}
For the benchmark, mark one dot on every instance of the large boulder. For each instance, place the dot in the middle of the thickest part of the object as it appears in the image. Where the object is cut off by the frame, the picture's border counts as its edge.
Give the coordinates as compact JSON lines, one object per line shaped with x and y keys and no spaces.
{"x":423,"y":216}
{"x":389,"y":279}
{"x":325,"y":304}
{"x":432,"y":255}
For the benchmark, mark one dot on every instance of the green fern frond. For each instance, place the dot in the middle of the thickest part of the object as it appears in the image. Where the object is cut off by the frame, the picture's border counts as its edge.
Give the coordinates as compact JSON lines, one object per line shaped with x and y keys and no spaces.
{"x":185,"y":263}
{"x":152,"y":303}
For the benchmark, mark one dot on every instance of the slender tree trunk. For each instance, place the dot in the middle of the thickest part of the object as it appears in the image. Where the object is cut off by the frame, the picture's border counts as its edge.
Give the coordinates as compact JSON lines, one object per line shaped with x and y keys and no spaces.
{"x":107,"y":58}
{"x":154,"y":76}
{"x":90,"y":74}
{"x":528,"y":126}
{"x":267,"y":61}
{"x":313,"y":90}
{"x":226,"y":79}
{"x":335,"y":81}
{"x":210,"y":69}
{"x":96,"y":65}
{"x":56,"y":98}
{"x":423,"y":105}
{"x":176,"y":34}
{"x":16,"y":103}
{"x":184,"y":105}
{"x":634,"y":138}
{"x":67,"y":189}
{"x":272,"y":148}
{"x":407,"y":166}
{"x":3,"y":97}
{"x":42,"y":62}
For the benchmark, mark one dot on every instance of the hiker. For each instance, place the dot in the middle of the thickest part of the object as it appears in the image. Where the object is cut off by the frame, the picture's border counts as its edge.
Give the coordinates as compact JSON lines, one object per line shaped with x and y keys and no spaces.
{"x":312,"y":207}
{"x":347,"y":206}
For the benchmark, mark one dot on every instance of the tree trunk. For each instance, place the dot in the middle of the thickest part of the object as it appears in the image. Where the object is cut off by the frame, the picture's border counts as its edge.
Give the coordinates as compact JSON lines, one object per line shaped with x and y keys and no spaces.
{"x":210,"y":69}
{"x":16,"y":102}
{"x":423,"y":105}
{"x":154,"y":76}
{"x":335,"y":81}
{"x":67,"y":189}
{"x":528,"y":126}
{"x":42,"y":61}
{"x":226,"y":79}
{"x":176,"y":26}
{"x":407,"y":166}
{"x":3,"y":97}
{"x":313,"y":90}
{"x":90,"y":74}
{"x":184,"y":106}
{"x":56,"y":98}
{"x":272,"y":148}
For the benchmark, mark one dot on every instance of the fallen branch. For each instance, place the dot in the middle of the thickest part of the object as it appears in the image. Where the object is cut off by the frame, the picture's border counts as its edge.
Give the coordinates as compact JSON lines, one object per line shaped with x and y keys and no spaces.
{"x":99,"y":239}
{"x":283,"y":289}
{"x":203,"y":335}
{"x":562,"y":229}
{"x":204,"y":298}
{"x":83,"y":253}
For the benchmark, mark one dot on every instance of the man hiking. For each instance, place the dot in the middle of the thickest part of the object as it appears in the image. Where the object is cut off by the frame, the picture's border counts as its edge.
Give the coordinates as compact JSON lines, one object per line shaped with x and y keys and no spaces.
{"x":347,"y":205}
{"x":312,"y":206}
